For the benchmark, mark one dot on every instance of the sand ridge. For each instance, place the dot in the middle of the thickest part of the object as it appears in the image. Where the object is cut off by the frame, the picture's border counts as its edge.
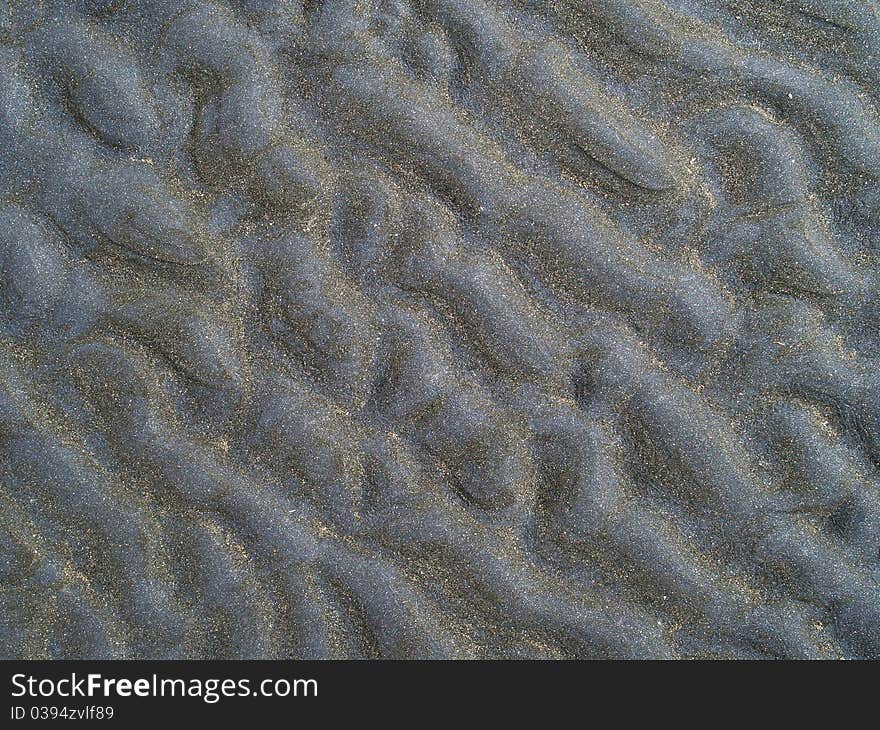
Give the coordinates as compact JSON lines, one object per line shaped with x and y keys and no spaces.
{"x":439,"y":328}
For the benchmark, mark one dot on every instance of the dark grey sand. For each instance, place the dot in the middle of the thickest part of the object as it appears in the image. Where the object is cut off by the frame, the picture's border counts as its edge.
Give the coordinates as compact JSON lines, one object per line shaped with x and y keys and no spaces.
{"x":439,"y":328}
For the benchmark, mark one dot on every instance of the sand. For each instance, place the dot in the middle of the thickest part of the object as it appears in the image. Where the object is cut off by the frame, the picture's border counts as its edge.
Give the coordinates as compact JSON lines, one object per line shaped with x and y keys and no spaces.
{"x":439,"y":328}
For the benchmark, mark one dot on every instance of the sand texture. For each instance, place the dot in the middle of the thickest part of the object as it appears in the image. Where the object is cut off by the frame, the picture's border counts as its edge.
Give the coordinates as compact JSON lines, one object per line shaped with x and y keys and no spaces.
{"x":439,"y":328}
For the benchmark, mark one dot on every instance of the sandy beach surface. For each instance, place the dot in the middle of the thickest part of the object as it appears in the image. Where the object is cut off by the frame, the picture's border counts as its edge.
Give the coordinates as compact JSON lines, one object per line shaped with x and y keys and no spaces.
{"x":439,"y":329}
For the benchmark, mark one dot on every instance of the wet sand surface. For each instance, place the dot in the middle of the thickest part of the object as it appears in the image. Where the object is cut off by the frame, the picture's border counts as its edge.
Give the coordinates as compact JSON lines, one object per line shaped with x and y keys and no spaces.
{"x":439,"y":328}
